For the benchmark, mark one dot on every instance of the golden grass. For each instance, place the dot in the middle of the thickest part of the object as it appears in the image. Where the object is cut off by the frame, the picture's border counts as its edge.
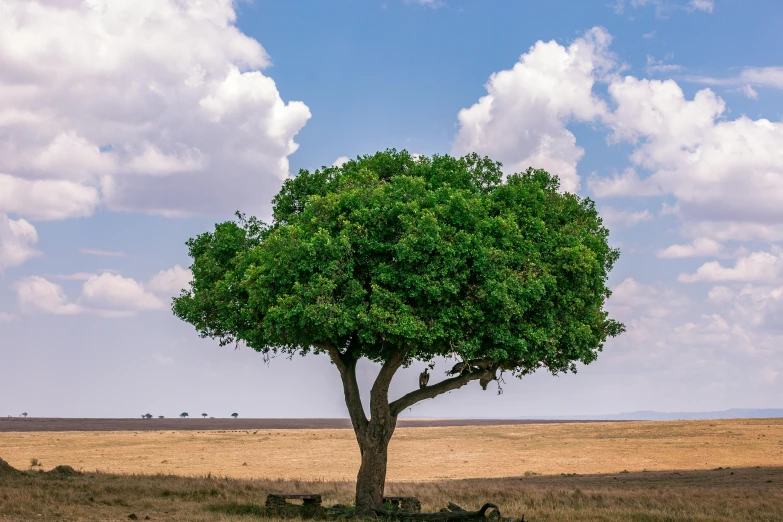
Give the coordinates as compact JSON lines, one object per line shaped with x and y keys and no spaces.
{"x":676,"y":471}
{"x":748,"y":495}
{"x":416,"y":454}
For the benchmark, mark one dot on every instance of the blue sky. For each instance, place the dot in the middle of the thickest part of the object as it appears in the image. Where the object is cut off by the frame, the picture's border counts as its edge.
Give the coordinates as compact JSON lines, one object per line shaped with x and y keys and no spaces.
{"x":127,"y":127}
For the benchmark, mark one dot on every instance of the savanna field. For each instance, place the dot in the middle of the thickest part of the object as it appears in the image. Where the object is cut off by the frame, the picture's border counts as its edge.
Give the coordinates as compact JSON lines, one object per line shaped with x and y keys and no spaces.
{"x":641,"y":471}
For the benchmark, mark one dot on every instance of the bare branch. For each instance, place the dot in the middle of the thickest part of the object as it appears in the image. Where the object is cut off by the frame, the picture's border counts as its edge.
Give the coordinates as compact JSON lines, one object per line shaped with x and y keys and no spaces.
{"x":379,"y":395}
{"x":353,"y":400}
{"x":430,"y":392}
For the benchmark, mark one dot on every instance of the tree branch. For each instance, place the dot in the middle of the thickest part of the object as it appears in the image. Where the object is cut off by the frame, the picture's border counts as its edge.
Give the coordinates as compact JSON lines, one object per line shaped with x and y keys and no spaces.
{"x":430,"y":392}
{"x":379,"y":394}
{"x":353,"y":400}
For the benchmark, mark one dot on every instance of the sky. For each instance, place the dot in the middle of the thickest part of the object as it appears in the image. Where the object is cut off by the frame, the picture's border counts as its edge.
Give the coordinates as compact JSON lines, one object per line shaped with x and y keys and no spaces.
{"x":129,"y":126}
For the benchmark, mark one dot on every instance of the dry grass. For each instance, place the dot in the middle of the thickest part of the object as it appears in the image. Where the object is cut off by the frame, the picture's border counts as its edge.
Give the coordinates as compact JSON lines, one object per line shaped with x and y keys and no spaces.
{"x":415,"y":453}
{"x":751,"y":495}
{"x":707,"y":471}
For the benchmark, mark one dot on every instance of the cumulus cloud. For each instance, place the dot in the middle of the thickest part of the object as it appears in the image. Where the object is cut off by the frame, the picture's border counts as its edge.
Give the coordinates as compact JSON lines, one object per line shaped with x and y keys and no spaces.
{"x":625,"y":183}
{"x":632,"y":298}
{"x":699,"y":247}
{"x":105,"y":294}
{"x":170,"y":282}
{"x":38,"y":295}
{"x":720,"y":294}
{"x":45,"y":199}
{"x":114,"y":292}
{"x":522,"y":120}
{"x":173,"y":114}
{"x":717,"y":169}
{"x":764,"y":267}
{"x":17,"y":240}
{"x":340,"y":161}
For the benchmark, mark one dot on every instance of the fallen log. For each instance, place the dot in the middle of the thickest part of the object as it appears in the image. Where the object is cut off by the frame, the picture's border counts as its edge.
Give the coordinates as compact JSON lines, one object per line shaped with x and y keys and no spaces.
{"x":454,"y":513}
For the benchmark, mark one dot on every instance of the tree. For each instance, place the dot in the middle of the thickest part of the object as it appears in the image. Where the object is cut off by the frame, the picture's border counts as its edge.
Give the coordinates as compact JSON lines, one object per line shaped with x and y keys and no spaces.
{"x":184,"y":414}
{"x":235,"y":415}
{"x":396,"y":260}
{"x":24,"y":414}
{"x":204,"y":415}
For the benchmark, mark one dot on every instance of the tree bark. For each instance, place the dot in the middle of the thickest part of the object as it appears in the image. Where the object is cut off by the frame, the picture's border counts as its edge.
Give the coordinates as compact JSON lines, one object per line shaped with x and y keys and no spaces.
{"x":371,"y":480}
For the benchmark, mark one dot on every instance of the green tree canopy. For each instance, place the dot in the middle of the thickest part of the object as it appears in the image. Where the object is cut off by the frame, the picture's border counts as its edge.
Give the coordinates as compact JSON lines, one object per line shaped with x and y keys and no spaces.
{"x":399,"y":259}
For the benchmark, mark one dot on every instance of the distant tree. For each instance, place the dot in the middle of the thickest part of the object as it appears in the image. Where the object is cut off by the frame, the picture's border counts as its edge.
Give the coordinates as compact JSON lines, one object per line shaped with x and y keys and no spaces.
{"x":235,"y":415}
{"x":24,"y":414}
{"x":160,"y":416}
{"x":399,"y":259}
{"x":184,"y":414}
{"x":204,"y":415}
{"x":147,"y":415}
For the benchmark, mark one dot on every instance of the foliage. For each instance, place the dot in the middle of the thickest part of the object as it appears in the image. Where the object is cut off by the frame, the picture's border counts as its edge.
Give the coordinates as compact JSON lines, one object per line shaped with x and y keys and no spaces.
{"x":424,"y":257}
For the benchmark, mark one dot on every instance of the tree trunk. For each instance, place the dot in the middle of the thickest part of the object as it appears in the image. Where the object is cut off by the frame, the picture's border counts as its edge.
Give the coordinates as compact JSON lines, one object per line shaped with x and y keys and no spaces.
{"x":372,"y":474}
{"x":374,"y":447}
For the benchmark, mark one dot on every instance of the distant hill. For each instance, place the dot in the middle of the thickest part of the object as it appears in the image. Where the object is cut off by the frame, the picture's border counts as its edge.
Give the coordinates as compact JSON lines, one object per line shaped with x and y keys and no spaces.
{"x":735,"y":413}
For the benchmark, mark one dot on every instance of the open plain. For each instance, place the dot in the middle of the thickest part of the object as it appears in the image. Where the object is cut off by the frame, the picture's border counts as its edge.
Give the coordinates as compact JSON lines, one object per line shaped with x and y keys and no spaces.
{"x":646,"y":471}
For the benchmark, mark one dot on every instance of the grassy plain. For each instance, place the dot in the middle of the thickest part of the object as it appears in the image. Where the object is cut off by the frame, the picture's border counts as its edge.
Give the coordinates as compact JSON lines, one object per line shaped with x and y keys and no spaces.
{"x":646,"y":471}
{"x":415,"y":453}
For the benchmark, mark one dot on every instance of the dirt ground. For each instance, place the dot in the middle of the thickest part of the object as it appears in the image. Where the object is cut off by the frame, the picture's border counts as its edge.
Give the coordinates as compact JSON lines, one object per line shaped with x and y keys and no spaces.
{"x":416,"y":454}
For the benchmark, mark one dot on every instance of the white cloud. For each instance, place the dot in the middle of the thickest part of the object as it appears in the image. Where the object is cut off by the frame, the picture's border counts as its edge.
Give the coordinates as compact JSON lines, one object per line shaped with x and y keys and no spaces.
{"x":522,"y":120}
{"x":749,"y":91}
{"x":703,"y":5}
{"x":720,"y":294}
{"x":170,"y":282}
{"x":699,"y":247}
{"x":17,"y":238}
{"x":106,"y":294}
{"x":748,"y":77}
{"x":172,"y":115}
{"x":45,"y":199}
{"x":717,"y":169}
{"x":630,"y":298}
{"x":37,"y":295}
{"x":623,"y":218}
{"x":763,"y":267}
{"x":114,"y":292}
{"x":626,"y":183}
{"x":734,"y":231}
{"x":342,"y":160}
{"x":664,"y":8}
{"x":102,"y":253}
{"x":659,"y":66}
